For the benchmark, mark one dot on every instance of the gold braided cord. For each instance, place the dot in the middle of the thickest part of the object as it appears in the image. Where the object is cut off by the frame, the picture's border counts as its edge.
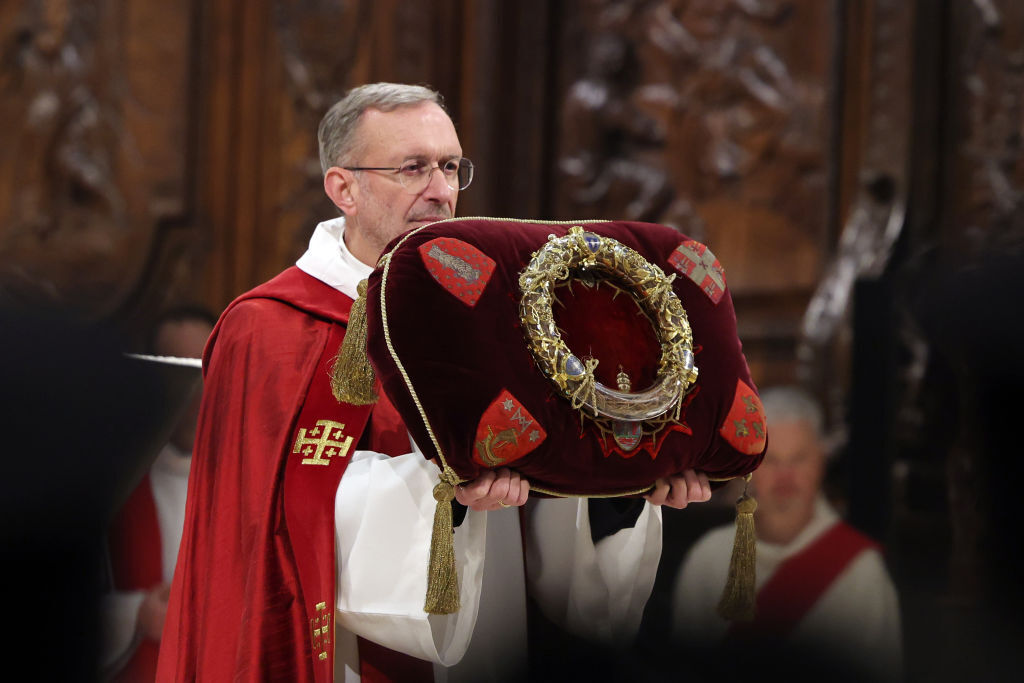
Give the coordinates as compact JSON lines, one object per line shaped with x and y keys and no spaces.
{"x":562,"y":494}
{"x":398,"y":363}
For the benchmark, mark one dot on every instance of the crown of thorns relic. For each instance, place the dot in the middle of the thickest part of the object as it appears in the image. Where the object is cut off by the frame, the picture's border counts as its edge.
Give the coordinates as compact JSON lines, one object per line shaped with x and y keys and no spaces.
{"x":581,"y":253}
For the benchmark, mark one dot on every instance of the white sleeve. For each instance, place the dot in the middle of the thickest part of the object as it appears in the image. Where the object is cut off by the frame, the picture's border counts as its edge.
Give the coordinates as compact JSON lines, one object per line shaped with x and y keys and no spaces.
{"x":595,"y":591}
{"x":384,"y":515}
{"x":120,"y":617}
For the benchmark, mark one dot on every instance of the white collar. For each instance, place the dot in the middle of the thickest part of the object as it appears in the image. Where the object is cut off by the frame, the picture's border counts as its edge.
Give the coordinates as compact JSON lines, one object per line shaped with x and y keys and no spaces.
{"x":329,"y":260}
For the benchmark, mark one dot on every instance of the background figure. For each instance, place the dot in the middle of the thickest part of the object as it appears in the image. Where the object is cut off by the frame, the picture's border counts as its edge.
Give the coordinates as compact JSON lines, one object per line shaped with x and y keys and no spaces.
{"x":823,"y":591}
{"x":143,"y":539}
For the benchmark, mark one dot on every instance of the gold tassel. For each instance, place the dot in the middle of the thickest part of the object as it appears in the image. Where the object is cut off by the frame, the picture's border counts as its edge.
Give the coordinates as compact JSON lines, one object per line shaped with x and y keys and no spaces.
{"x":352,"y":377}
{"x":442,"y":579}
{"x":738,"y":597}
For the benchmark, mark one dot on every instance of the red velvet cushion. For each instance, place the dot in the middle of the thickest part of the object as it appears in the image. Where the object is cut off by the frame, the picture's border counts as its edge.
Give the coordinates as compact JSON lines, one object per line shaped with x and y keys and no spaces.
{"x":451,"y":302}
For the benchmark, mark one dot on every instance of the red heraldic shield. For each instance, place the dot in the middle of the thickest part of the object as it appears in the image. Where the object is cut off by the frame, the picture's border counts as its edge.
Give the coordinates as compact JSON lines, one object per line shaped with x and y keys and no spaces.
{"x":459,"y":267}
{"x":744,"y":426}
{"x":697,"y":262}
{"x":506,"y":432}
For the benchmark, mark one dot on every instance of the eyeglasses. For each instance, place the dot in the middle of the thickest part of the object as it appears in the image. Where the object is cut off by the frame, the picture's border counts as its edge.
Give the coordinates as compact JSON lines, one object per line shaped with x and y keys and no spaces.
{"x":415,"y":174}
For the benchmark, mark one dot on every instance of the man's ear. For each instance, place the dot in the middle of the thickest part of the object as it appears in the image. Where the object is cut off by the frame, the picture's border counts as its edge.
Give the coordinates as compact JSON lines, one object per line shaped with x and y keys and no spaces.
{"x":340,"y":186}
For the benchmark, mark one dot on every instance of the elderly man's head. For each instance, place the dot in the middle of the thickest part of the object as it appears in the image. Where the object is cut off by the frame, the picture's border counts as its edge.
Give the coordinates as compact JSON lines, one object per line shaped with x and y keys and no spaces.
{"x":392,"y":162}
{"x":788,"y":482}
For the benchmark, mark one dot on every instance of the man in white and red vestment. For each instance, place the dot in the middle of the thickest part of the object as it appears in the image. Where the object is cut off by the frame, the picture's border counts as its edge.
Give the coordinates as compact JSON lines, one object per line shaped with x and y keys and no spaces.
{"x":822,"y":586}
{"x":144,"y":535}
{"x":308,"y":520}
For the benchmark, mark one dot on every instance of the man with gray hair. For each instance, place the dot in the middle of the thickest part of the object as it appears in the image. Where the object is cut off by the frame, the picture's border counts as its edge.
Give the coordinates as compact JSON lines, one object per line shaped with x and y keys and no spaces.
{"x":823,"y":591}
{"x":309,"y":519}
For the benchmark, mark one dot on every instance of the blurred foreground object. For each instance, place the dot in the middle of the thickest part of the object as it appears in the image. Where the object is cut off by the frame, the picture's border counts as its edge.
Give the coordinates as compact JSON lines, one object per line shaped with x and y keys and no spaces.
{"x":83,"y":422}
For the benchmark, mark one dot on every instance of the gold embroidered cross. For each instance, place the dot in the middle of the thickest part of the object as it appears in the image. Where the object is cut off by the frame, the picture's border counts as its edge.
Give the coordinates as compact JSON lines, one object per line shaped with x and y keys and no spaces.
{"x":325,"y":439}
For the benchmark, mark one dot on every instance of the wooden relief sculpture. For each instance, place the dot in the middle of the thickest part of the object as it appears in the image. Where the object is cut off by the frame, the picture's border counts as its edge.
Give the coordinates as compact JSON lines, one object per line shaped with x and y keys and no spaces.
{"x":93,"y":149}
{"x":689,"y":112}
{"x":989,"y":156}
{"x":715,"y":118}
{"x":319,"y":44}
{"x":877,"y":216}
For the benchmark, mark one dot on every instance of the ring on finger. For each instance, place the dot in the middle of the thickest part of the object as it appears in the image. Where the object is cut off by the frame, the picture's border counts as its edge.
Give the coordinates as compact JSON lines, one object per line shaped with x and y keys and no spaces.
{"x":502,"y":503}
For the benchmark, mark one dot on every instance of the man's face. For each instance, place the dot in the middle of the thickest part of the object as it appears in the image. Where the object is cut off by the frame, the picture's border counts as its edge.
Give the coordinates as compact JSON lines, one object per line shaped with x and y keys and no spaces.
{"x":383,"y":207}
{"x":789,"y":478}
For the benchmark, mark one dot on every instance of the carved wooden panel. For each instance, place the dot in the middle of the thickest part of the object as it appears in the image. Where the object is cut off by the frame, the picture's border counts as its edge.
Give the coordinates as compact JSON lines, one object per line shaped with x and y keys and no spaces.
{"x":93,"y":97}
{"x":985,"y":183}
{"x":872,"y":182}
{"x":156,"y":152}
{"x":273,"y":70}
{"x":717,"y":118}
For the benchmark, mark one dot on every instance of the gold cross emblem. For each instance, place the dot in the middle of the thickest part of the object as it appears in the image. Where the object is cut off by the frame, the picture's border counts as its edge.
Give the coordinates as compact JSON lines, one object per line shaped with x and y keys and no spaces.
{"x":325,"y":441}
{"x":320,"y":626}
